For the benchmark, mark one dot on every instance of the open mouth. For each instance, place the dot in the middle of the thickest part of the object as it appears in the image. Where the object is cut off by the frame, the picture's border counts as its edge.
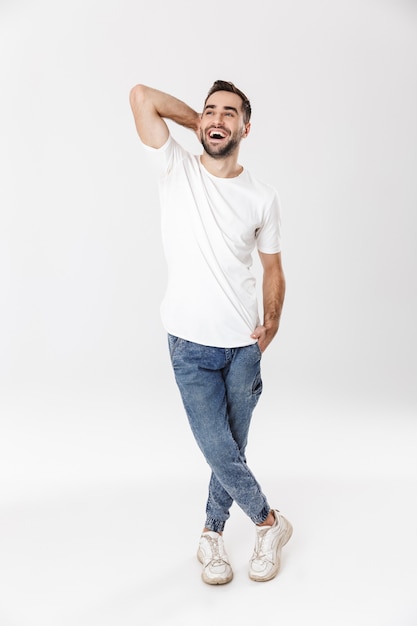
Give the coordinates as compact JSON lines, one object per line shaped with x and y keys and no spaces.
{"x":217,"y":134}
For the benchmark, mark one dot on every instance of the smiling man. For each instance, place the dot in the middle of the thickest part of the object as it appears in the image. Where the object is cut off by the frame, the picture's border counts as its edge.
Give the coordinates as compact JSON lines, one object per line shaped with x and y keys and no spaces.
{"x":222,"y":132}
{"x":214,"y":215}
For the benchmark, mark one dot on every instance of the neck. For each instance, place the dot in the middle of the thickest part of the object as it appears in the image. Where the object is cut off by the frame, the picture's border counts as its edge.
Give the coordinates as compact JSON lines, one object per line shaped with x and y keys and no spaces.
{"x":227,"y":167}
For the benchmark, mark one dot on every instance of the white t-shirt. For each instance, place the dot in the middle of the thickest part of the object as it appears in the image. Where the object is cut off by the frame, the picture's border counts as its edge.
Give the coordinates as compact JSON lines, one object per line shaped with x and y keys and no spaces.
{"x":210,"y":227}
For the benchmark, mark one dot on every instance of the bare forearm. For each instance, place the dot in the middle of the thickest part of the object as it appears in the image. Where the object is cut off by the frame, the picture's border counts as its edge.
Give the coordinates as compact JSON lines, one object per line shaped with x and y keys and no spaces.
{"x":273,"y":289}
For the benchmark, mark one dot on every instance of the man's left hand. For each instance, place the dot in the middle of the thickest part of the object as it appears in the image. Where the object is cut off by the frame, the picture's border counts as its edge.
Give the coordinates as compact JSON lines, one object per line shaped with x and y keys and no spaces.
{"x":264,"y":335}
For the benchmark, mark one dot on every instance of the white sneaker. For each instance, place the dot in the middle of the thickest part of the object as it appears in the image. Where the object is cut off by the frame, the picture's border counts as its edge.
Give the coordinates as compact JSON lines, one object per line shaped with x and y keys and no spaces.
{"x":212,"y":554}
{"x":266,"y":557}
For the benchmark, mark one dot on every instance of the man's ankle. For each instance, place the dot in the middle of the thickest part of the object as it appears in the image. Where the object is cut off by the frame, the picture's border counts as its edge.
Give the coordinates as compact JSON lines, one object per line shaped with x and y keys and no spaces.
{"x":270,"y":520}
{"x":207,"y":530}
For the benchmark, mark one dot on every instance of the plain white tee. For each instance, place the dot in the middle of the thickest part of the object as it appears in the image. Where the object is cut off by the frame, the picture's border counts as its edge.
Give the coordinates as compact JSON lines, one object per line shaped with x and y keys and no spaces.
{"x":210,"y":227}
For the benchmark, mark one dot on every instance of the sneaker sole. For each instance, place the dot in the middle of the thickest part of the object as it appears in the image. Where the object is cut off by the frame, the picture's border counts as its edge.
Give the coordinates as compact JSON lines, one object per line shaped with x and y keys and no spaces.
{"x":212,"y":581}
{"x":284,"y":540}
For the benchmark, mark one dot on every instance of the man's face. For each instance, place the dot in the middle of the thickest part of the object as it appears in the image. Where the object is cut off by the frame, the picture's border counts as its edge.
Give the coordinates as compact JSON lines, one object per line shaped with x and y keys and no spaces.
{"x":222,"y":126}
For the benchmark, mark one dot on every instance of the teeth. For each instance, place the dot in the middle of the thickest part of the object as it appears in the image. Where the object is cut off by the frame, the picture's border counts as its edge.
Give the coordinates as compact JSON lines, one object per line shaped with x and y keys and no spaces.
{"x":217,"y":133}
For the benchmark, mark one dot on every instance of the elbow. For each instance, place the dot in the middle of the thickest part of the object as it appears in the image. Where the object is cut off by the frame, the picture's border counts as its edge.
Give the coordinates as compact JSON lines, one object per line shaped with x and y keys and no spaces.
{"x":138,"y":95}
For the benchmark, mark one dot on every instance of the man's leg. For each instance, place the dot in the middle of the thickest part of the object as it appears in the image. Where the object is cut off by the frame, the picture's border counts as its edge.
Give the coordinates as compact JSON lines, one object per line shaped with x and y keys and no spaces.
{"x":243,"y":386}
{"x":213,"y":383}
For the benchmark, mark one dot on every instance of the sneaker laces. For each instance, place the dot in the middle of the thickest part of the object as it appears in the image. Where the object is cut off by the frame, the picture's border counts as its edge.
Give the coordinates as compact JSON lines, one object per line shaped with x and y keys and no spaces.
{"x":262,"y":549}
{"x":217,"y":558}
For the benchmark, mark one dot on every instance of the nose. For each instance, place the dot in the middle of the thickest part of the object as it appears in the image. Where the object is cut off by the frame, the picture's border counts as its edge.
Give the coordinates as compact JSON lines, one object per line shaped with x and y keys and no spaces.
{"x":218,"y":118}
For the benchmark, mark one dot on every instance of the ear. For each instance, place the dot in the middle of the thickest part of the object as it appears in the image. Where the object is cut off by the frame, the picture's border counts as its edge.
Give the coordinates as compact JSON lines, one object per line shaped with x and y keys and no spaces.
{"x":246,"y":130}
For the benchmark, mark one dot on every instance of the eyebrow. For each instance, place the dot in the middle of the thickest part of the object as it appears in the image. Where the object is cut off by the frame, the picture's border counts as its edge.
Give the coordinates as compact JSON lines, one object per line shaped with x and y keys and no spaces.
{"x":225,"y":108}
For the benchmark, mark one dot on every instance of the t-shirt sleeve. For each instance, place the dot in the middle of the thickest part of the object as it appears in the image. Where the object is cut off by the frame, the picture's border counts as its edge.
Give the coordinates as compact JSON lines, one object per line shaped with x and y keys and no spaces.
{"x":269,"y":235}
{"x":167,"y":156}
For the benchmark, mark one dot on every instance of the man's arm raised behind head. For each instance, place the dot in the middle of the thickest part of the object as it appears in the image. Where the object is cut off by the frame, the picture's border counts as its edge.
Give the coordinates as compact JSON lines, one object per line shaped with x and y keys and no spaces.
{"x":151,"y":106}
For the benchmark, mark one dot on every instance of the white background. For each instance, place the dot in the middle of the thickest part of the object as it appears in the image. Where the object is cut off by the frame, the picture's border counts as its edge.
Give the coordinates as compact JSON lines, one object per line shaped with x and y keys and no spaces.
{"x":102,"y":489}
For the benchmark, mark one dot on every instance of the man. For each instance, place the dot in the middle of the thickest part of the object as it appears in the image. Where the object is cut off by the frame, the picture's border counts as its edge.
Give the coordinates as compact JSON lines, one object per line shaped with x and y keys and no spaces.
{"x":214,"y":213}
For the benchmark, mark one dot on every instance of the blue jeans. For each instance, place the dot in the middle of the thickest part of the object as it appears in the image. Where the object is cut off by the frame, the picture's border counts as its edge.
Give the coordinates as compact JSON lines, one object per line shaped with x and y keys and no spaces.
{"x":220,"y":387}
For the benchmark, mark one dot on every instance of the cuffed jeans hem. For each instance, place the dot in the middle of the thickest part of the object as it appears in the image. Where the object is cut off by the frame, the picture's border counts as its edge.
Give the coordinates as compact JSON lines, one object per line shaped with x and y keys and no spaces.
{"x":262,"y":515}
{"x":215,"y":525}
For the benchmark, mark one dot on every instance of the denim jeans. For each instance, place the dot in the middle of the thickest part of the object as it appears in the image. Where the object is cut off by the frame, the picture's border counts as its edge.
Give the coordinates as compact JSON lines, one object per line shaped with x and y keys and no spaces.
{"x":220,"y":387}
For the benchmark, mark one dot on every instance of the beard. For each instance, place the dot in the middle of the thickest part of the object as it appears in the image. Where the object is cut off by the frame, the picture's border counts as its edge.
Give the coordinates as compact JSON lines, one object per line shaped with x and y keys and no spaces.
{"x":223,"y":150}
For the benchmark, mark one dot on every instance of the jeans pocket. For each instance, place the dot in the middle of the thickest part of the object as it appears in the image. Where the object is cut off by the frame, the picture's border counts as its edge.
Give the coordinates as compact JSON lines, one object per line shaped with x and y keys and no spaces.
{"x":257,"y":386}
{"x":258,"y":348}
{"x":172,"y":343}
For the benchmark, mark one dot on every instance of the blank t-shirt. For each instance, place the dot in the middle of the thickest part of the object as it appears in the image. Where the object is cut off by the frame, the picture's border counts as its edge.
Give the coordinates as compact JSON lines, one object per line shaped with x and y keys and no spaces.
{"x":210,"y":227}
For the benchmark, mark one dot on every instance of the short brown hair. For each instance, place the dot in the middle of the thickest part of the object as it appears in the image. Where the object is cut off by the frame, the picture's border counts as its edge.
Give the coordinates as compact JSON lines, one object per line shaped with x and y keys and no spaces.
{"x":224,"y":85}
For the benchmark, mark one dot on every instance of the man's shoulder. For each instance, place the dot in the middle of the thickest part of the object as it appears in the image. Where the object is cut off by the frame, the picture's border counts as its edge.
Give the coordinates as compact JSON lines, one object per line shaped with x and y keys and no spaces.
{"x":171,"y":145}
{"x":259,"y":185}
{"x":171,"y":155}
